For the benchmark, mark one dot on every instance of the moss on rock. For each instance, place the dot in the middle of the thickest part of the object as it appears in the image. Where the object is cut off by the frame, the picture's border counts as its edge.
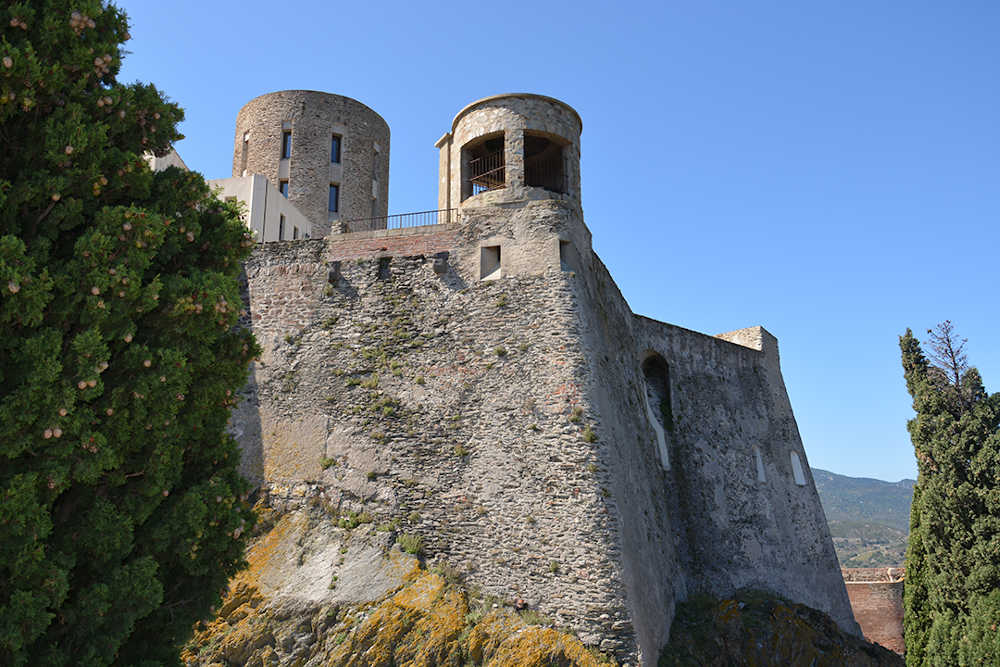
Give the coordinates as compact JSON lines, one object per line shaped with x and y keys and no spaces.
{"x":759,"y":630}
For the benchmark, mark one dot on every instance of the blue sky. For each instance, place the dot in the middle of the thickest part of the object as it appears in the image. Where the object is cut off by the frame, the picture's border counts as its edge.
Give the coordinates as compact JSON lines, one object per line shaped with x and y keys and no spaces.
{"x":830,"y":171}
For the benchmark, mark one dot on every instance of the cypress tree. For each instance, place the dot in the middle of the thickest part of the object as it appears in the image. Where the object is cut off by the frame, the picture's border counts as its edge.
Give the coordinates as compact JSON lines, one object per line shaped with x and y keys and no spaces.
{"x":122,"y":513}
{"x":952,"y":610}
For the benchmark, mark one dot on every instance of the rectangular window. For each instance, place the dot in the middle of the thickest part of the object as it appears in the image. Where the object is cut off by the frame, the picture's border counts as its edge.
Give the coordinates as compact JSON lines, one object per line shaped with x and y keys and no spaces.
{"x":335,"y":149}
{"x":281,"y":228}
{"x":295,"y":232}
{"x":286,"y":144}
{"x":334,"y":204}
{"x":283,"y":187}
{"x":243,"y":155}
{"x":489,"y":262}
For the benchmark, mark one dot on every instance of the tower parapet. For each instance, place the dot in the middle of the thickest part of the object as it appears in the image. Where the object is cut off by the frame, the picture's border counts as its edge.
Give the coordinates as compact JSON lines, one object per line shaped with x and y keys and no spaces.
{"x":327,"y":153}
{"x":511,"y":147}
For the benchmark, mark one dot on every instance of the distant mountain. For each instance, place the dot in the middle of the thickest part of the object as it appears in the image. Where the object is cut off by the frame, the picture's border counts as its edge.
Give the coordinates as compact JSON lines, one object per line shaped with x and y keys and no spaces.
{"x":869,"y":519}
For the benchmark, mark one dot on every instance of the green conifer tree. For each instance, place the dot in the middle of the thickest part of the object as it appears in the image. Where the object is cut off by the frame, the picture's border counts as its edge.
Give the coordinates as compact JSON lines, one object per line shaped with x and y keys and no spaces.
{"x":952,"y":611}
{"x":121,"y":508}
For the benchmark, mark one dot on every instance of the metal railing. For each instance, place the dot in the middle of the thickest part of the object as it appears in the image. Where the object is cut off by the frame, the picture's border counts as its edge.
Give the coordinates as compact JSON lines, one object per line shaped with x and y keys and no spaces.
{"x":402,"y":220}
{"x":545,"y":171}
{"x":487,"y":172}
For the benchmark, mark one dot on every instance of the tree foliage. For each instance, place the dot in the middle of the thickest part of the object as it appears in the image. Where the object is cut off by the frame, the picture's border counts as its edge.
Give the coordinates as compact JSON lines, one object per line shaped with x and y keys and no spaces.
{"x":121,"y":509}
{"x":952,"y":610}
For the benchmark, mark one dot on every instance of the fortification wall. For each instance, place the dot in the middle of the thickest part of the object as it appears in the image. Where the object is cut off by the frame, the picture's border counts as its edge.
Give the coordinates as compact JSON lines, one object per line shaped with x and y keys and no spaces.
{"x":699,"y":519}
{"x":443,"y":406}
{"x":509,"y":423}
{"x":876,"y":595}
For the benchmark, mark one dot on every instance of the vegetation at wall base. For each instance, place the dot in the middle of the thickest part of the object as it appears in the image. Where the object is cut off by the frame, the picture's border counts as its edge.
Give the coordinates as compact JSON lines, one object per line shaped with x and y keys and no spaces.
{"x":758,"y":628}
{"x":952,"y":589}
{"x":121,"y":510}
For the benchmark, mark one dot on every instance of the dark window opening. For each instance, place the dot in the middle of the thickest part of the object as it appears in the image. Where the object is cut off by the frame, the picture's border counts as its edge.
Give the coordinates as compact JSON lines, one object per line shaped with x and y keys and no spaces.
{"x":333,"y":205}
{"x":658,"y":390}
{"x":295,"y":232}
{"x":483,"y":166}
{"x":281,"y":228}
{"x":244,"y":154}
{"x":383,"y":268}
{"x":286,"y":144}
{"x":283,"y":188}
{"x":543,"y":163}
{"x":335,"y":148}
{"x":566,"y":259}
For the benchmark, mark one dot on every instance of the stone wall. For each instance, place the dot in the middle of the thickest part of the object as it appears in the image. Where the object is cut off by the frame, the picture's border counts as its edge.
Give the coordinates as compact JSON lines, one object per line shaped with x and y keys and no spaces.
{"x":313,"y":118}
{"x":877,"y":600}
{"x":509,"y":423}
{"x":513,"y":115}
{"x":448,"y":406}
{"x":703,"y":522}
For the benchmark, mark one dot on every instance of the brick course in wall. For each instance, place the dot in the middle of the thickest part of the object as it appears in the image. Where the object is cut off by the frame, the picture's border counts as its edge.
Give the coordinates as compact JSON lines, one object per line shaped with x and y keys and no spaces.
{"x":876,"y":596}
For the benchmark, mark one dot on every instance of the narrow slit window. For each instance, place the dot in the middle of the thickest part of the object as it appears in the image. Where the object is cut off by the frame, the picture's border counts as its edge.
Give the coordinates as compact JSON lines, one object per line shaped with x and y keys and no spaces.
{"x":566,"y":256}
{"x":283,"y":188}
{"x":286,"y":144}
{"x":797,"y":472}
{"x":281,"y":228}
{"x":335,"y":149}
{"x":759,"y":464}
{"x":333,"y":205}
{"x":659,"y":407}
{"x":295,"y":232}
{"x":384,"y":273}
{"x":244,"y":154}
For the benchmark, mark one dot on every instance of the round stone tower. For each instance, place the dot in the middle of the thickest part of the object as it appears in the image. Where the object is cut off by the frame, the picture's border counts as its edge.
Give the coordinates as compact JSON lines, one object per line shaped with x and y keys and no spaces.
{"x":327,"y":153}
{"x":511,"y":147}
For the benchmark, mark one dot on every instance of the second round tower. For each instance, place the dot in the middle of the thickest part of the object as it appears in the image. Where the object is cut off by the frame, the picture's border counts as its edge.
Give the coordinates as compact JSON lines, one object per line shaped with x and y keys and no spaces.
{"x":327,"y":153}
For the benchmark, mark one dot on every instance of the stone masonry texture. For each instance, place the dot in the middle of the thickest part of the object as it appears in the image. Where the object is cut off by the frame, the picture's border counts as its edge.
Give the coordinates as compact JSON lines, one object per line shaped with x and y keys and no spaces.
{"x":313,"y":118}
{"x":509,"y":423}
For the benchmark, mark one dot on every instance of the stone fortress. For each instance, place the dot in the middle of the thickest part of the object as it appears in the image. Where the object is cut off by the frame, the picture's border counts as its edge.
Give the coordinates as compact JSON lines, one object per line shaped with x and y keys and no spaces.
{"x":472,"y":376}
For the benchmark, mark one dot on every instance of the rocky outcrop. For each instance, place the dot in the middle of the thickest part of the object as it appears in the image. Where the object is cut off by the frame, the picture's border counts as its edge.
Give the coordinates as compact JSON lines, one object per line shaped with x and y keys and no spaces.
{"x":760,"y":629}
{"x":377,"y":606}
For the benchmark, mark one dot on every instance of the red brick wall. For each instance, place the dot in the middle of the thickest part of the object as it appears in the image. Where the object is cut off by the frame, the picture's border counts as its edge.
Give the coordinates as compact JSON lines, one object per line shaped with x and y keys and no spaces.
{"x":396,"y":242}
{"x":876,"y":596}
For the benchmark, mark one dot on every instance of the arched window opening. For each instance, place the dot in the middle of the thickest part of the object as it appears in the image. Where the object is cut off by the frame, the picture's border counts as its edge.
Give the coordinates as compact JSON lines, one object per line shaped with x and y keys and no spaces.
{"x":797,"y":473}
{"x":483,"y":166}
{"x":659,"y":409}
{"x":543,"y":163}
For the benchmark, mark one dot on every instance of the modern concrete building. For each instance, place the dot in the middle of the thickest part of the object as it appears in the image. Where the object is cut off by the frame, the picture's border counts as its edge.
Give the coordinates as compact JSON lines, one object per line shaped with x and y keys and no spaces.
{"x":268,"y":213}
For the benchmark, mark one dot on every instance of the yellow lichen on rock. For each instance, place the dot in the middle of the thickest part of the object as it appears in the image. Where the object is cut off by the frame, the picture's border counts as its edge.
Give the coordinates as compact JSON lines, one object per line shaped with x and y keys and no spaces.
{"x":419,"y":625}
{"x":424,"y":622}
{"x":501,"y":639}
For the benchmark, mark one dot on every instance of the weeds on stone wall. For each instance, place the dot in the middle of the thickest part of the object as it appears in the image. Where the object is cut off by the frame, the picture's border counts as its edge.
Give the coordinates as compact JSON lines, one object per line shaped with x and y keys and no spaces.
{"x":411,"y":543}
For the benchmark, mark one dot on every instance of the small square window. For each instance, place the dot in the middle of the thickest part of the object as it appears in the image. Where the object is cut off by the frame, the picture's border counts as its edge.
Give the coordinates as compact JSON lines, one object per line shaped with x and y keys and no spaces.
{"x":286,"y":144}
{"x":334,"y":204}
{"x":489,"y":262}
{"x":283,"y":187}
{"x":335,"y":149}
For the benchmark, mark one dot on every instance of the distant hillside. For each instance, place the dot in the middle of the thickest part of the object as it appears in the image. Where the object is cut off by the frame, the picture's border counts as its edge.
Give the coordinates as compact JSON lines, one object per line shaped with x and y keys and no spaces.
{"x":869,"y":519}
